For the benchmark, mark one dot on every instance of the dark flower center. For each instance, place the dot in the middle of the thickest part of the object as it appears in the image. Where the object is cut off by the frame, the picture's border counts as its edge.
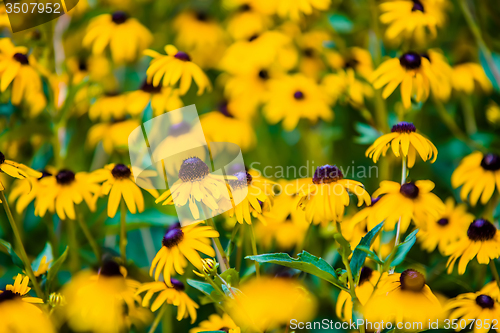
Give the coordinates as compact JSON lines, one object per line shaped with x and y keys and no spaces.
{"x":179,"y":129}
{"x":404,"y":127}
{"x":409,"y":190}
{"x":253,"y":37}
{"x":45,"y":173}
{"x":481,"y":230}
{"x":2,"y":158}
{"x":21,"y":58}
{"x":426,"y":56}
{"x":150,"y":88}
{"x":110,"y":268}
{"x":119,"y":17}
{"x":173,"y":236}
{"x":82,"y":65}
{"x":375,"y":200}
{"x":491,"y":162}
{"x":351,"y":63}
{"x":178,"y":285}
{"x":443,"y":222}
{"x":65,"y":177}
{"x":412,"y":280}
{"x":298,"y":95}
{"x":417,"y":5}
{"x":7,"y":295}
{"x":264,"y":74}
{"x":244,"y":178}
{"x":365,"y":275}
{"x":224,"y":329}
{"x":327,"y":174}
{"x":121,"y":171}
{"x":485,"y":301}
{"x":182,"y":56}
{"x":410,"y":60}
{"x":245,"y":8}
{"x":309,"y":52}
{"x":202,"y":16}
{"x":111,"y":93}
{"x":224,"y":110}
{"x":193,"y":169}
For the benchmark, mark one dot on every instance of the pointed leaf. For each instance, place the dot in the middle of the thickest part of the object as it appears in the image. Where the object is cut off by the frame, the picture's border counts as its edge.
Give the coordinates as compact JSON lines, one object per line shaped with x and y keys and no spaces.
{"x":204,"y":287}
{"x":56,"y":266}
{"x":402,"y":249}
{"x":359,"y":256}
{"x":7,"y":248}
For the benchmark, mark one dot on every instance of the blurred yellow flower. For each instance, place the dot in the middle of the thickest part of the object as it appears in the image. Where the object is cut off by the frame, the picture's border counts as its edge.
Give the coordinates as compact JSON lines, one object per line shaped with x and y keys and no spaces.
{"x":441,"y":87}
{"x":249,"y":17}
{"x":20,"y":288}
{"x":465,"y":76}
{"x":43,"y":267}
{"x":162,"y":99}
{"x":216,"y":322}
{"x":110,"y":106}
{"x":296,"y":9}
{"x":114,"y":135}
{"x":493,"y":114}
{"x":480,"y":307}
{"x":24,"y":192}
{"x":345,"y":85}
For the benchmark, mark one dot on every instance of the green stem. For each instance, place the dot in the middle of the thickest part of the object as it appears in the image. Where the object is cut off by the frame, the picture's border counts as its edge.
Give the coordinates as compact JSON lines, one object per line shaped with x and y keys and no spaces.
{"x":254,"y":248}
{"x":73,"y":246}
{"x":158,"y":318}
{"x":167,"y":323}
{"x":398,"y":226}
{"x":469,"y":116}
{"x":223,"y":260}
{"x":239,"y":251}
{"x":22,"y":250}
{"x":123,"y":231}
{"x":230,"y":245}
{"x":494,"y":272}
{"x":52,"y":235}
{"x":90,"y":238}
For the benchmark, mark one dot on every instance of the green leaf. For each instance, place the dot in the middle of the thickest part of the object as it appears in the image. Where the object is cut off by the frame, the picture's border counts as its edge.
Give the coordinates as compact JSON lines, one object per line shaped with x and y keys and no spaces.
{"x":398,"y":255}
{"x":47,"y":252}
{"x":56,"y":266}
{"x":204,"y":287}
{"x":370,"y":254}
{"x":7,"y":248}
{"x":345,"y":248}
{"x":359,"y":255}
{"x":340,"y":23}
{"x":231,"y":276}
{"x":305,"y":262}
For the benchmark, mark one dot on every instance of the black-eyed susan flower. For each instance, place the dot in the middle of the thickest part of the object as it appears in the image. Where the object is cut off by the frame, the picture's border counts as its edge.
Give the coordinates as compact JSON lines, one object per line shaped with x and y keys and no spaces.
{"x":493,"y":114}
{"x":162,"y":99}
{"x":59,"y":193}
{"x":477,"y":174}
{"x":118,"y":182}
{"x":20,"y":288}
{"x":293,"y":98}
{"x":173,"y":294}
{"x":43,"y":267}
{"x":113,"y":135}
{"x":344,"y":85}
{"x":412,"y":71}
{"x":402,"y":298}
{"x":410,"y":19}
{"x":482,"y":241}
{"x":447,"y":229}
{"x":175,"y":66}
{"x":24,"y":193}
{"x":412,"y":201}
{"x":466,"y":76}
{"x":17,"y":170}
{"x":404,"y":141}
{"x":249,"y":17}
{"x":216,"y":322}
{"x":366,"y":216}
{"x":325,"y":198}
{"x":197,"y":30}
{"x":355,"y":58}
{"x":126,"y":37}
{"x":110,"y":106}
{"x":295,"y":10}
{"x":441,"y":87}
{"x":312,"y":49}
{"x":180,"y":245}
{"x":195,"y":185}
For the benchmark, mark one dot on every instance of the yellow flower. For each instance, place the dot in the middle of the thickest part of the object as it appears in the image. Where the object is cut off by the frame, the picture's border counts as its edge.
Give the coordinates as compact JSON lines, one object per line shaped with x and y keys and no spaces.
{"x":126,"y":37}
{"x":175,"y":67}
{"x":43,"y":267}
{"x":345,"y":85}
{"x":173,"y":294}
{"x":20,"y":288}
{"x":120,"y":183}
{"x":16,"y":170}
{"x":197,"y":30}
{"x":268,"y":303}
{"x":404,"y":141}
{"x":477,"y":174}
{"x":61,"y":192}
{"x":26,"y":191}
{"x":366,"y":216}
{"x":217,"y":323}
{"x":325,"y":199}
{"x":447,"y":229}
{"x":162,"y":99}
{"x":111,"y":106}
{"x":465,"y":75}
{"x":482,"y":241}
{"x":249,"y":17}
{"x":114,"y":136}
{"x":441,"y":87}
{"x":407,"y":202}
{"x":493,"y":114}
{"x":312,"y":49}
{"x":412,"y":71}
{"x":181,"y":244}
{"x":296,"y":9}
{"x":403,"y":298}
{"x":410,"y":18}
{"x":294,"y":97}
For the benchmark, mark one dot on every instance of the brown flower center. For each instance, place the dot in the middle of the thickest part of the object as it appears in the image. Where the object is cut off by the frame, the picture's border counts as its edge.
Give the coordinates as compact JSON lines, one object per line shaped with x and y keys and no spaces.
{"x":412,"y":280}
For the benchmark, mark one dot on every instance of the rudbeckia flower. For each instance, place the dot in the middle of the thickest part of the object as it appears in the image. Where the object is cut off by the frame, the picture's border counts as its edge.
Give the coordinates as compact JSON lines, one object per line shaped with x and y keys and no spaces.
{"x":20,"y":288}
{"x":296,"y":9}
{"x":197,"y":30}
{"x":162,"y":99}
{"x":43,"y":267}
{"x":249,"y":17}
{"x":119,"y":183}
{"x":108,"y":107}
{"x":412,"y":71}
{"x":126,"y":37}
{"x":293,"y":98}
{"x":482,"y":241}
{"x":216,"y":322}
{"x":173,"y":294}
{"x":447,"y":229}
{"x":61,"y":192}
{"x":403,"y":298}
{"x":325,"y":200}
{"x":441,"y":87}
{"x":355,"y":58}
{"x":344,"y":85}
{"x":180,"y":245}
{"x":175,"y":67}
{"x":366,"y":215}
{"x":410,"y":18}
{"x":407,"y":202}
{"x":25,"y":192}
{"x":16,"y":170}
{"x":312,"y":49}
{"x":114,"y":135}
{"x":465,"y":76}
{"x":480,"y":307}
{"x":477,"y":174}
{"x":404,"y":141}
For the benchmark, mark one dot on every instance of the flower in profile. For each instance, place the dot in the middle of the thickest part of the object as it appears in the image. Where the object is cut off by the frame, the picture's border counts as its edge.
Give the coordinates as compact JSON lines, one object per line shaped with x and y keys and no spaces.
{"x":477,"y":174}
{"x":293,"y":98}
{"x":20,"y":288}
{"x":412,"y":18}
{"x":113,"y":135}
{"x":441,"y":87}
{"x":126,"y":37}
{"x":412,"y":71}
{"x":43,"y":267}
{"x":110,"y":106}
{"x":482,"y":242}
{"x":59,"y":193}
{"x":216,"y":322}
{"x":405,"y":142}
{"x":118,"y":184}
{"x":412,"y":201}
{"x":16,"y":170}
{"x":268,"y":303}
{"x":180,"y":245}
{"x":466,"y":76}
{"x":295,"y":10}
{"x":325,"y":199}
{"x":175,"y":67}
{"x":162,"y":99}
{"x":447,"y":229}
{"x":24,"y":192}
{"x":403,"y":298}
{"x":169,"y":294}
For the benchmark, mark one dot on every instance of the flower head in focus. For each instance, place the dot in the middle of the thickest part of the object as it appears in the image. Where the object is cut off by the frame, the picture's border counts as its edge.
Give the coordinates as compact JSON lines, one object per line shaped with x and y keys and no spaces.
{"x":20,"y":288}
{"x":24,"y":192}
